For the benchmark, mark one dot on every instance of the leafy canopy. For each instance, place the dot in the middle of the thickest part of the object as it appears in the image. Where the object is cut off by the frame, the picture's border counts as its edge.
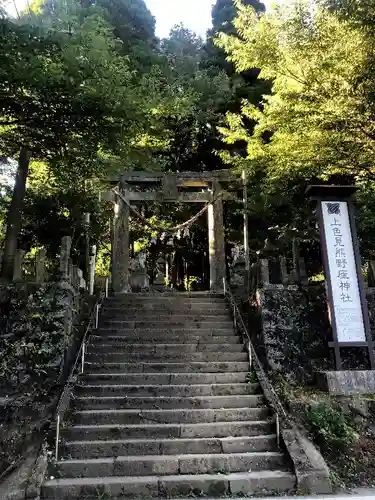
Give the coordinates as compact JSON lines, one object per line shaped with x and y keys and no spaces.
{"x":318,"y":119}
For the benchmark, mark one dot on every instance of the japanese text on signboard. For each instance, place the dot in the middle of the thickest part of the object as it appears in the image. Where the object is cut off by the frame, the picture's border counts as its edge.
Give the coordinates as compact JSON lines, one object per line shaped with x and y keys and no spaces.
{"x":343,"y":273}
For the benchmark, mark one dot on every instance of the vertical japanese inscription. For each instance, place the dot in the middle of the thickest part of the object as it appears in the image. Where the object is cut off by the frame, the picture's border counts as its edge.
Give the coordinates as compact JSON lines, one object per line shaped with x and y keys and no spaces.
{"x":343,"y":272}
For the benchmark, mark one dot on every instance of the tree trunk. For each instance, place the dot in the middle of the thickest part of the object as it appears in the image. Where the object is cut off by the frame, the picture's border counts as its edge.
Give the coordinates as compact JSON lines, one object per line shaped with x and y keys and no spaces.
{"x":14,"y":215}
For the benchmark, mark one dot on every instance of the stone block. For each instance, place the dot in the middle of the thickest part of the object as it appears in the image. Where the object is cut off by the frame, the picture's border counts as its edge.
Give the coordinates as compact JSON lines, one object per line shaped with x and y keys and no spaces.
{"x":92,"y":487}
{"x":18,"y":263}
{"x":261,"y":482}
{"x":309,"y":466}
{"x":139,"y":280}
{"x":347,"y":382}
{"x":66,"y":243}
{"x":145,"y":466}
{"x":108,"y":448}
{"x":191,"y":446}
{"x":185,"y":485}
{"x":40,"y":266}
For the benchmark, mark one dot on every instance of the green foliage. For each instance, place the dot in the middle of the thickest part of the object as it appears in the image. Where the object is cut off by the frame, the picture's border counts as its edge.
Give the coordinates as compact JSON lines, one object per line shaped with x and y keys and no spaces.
{"x":32,"y":341}
{"x":360,"y":12}
{"x":103,"y":261}
{"x":70,"y":94}
{"x":314,"y":117}
{"x":224,"y":12}
{"x":330,"y":427}
{"x":189,"y":128}
{"x":251,"y":377}
{"x":316,"y":124}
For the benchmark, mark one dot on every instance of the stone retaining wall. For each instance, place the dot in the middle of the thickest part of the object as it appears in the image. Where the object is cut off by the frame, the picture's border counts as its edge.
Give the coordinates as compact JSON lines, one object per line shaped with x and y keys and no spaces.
{"x":290,"y":327}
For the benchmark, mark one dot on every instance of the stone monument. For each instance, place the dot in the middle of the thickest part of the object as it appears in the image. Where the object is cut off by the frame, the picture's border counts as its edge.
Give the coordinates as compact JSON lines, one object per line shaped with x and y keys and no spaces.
{"x":139,"y":279}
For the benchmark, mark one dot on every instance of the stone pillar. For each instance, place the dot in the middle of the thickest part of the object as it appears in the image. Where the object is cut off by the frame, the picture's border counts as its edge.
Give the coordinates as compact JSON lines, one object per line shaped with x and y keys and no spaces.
{"x":75,"y":280}
{"x":70,"y":269}
{"x":92,"y":269}
{"x":18,"y":262}
{"x":86,"y":225}
{"x":40,"y":266}
{"x":120,"y":248}
{"x":371,"y":274}
{"x":216,"y":240}
{"x":284,"y":271}
{"x":264,"y":272}
{"x":304,"y":279}
{"x":160,"y":276}
{"x":246,"y":226}
{"x":81,"y":279}
{"x":66,"y":243}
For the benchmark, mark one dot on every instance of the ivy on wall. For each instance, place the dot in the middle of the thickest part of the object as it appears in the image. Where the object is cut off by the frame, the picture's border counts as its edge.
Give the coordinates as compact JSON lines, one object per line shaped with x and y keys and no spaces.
{"x":33,"y":343}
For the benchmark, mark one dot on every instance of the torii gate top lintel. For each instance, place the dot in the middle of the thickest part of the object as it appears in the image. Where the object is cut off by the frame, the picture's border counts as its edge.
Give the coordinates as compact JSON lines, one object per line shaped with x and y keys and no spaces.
{"x":182,"y":178}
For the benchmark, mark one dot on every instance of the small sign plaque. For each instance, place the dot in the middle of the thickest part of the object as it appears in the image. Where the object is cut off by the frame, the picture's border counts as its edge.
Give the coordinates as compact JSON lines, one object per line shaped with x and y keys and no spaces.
{"x":346,"y":300}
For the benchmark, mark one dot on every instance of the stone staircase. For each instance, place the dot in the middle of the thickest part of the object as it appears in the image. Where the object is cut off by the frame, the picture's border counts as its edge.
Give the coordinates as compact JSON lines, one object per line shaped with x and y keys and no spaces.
{"x":166,"y":408}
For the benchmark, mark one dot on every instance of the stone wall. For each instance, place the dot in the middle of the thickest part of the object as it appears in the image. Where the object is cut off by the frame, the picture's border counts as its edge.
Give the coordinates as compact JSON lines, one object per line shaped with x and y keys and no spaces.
{"x":41,"y":327}
{"x":290,"y":328}
{"x":293,"y":330}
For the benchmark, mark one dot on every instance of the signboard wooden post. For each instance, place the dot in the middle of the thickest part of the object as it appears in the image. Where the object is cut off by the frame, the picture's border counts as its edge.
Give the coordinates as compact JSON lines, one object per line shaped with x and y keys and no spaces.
{"x":347,"y":305}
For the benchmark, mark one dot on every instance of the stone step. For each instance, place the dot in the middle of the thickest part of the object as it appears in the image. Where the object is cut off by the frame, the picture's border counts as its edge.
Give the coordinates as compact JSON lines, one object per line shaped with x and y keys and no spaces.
{"x":163,"y":465}
{"x":161,"y":348}
{"x":207,"y":323}
{"x":162,"y":379}
{"x":216,"y":485}
{"x":123,"y":314}
{"x":196,"y":368}
{"x":110,"y":448}
{"x":167,"y":307}
{"x":168,"y":296}
{"x":167,"y":331}
{"x":161,"y":431}
{"x":166,"y":357}
{"x":120,"y":402}
{"x":174,"y":416}
{"x":164,"y":338}
{"x":165,"y":390}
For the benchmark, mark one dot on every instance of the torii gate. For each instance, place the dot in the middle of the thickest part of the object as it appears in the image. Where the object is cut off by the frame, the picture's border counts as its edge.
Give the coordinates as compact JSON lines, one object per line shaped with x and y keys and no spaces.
{"x":207,"y":187}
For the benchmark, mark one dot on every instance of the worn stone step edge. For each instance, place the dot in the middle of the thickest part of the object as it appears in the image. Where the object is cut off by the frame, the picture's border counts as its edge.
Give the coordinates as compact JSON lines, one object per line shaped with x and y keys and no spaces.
{"x":173,"y":390}
{"x":183,"y":322}
{"x":154,"y":332}
{"x":213,"y":299}
{"x":137,"y":465}
{"x":241,"y":385}
{"x":169,"y":416}
{"x":230,"y":444}
{"x":184,"y":295}
{"x":173,"y":312}
{"x":164,"y":378}
{"x":192,"y":368}
{"x":142,"y":300}
{"x":176,"y":339}
{"x":161,"y":431}
{"x":168,"y":486}
{"x":170,"y":402}
{"x":141,"y":308}
{"x":204,"y":356}
{"x":165,"y":347}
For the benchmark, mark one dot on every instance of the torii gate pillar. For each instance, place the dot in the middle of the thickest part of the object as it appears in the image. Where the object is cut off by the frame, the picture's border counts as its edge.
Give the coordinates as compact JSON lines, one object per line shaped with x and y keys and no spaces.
{"x":120,"y":248}
{"x":216,"y":240}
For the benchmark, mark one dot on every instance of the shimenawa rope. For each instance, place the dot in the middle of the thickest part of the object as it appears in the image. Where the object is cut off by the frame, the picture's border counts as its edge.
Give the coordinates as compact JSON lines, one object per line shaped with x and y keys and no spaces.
{"x":174,"y":229}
